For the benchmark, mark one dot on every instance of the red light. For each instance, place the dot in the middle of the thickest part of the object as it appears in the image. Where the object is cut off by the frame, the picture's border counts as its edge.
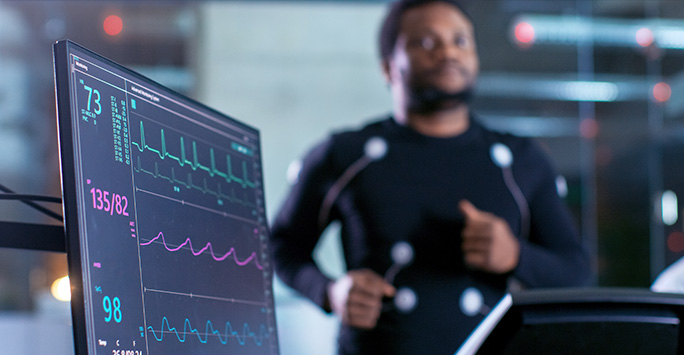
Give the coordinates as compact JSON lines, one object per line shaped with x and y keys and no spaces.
{"x":113,"y":25}
{"x":661,"y":92}
{"x":589,"y":128}
{"x":644,"y":37}
{"x":524,"y":34}
{"x":675,"y":242}
{"x":604,"y":155}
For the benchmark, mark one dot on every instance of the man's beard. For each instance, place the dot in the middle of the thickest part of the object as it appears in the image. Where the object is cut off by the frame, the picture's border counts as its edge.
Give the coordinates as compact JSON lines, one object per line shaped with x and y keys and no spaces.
{"x":431,"y":100}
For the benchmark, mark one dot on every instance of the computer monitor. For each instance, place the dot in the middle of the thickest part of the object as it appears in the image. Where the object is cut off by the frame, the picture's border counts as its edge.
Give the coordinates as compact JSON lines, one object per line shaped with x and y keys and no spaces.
{"x":167,"y":238}
{"x":581,"y":321}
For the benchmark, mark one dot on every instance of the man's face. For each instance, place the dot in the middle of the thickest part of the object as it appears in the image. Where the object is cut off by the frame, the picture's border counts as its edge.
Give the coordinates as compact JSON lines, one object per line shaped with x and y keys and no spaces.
{"x":435,"y":51}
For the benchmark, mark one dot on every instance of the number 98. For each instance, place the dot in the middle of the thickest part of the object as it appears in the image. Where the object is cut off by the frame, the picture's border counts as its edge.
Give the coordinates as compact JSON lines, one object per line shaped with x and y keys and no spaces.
{"x":112,"y":308}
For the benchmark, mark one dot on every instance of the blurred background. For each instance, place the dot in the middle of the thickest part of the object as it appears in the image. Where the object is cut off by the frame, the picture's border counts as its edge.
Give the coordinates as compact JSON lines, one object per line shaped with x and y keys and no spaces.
{"x":599,"y":83}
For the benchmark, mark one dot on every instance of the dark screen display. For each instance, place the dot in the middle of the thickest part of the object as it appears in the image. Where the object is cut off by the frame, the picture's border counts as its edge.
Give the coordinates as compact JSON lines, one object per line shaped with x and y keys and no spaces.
{"x":165,"y":219}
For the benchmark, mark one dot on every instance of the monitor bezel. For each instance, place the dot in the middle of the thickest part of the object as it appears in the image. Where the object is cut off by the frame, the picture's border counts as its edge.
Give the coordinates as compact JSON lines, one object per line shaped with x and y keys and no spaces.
{"x":65,"y":141}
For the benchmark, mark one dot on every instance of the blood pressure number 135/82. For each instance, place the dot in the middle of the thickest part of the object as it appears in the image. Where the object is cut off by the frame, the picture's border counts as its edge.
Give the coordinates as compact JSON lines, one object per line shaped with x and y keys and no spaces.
{"x":103,"y":200}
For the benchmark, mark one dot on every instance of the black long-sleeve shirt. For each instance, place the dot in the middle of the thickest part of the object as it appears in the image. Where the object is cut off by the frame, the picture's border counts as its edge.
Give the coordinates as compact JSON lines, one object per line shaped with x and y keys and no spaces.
{"x":411,"y":194}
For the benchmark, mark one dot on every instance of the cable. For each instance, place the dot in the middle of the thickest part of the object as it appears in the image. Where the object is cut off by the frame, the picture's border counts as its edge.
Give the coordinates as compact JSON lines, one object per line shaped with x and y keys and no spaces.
{"x":503,"y":158}
{"x":27,"y":199}
{"x":374,"y":149}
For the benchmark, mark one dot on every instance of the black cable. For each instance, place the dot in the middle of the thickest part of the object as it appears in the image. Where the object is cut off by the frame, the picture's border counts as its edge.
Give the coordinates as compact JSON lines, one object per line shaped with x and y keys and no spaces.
{"x":32,"y":204}
{"x":25,"y":197}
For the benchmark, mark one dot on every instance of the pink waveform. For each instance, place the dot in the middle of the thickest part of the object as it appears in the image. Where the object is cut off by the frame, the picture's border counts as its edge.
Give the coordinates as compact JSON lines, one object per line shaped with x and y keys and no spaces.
{"x":188,"y":242}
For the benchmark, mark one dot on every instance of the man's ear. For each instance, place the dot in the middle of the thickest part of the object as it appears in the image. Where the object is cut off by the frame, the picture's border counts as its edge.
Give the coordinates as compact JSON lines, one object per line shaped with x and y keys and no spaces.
{"x":386,"y":71}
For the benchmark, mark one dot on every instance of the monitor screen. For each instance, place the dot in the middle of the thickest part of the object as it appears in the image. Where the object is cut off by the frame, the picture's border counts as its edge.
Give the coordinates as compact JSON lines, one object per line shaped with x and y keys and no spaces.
{"x":167,"y":238}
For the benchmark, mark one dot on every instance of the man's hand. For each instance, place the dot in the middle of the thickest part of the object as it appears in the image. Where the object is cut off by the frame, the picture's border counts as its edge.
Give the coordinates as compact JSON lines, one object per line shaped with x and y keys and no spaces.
{"x":488,"y":243}
{"x":357,"y":297}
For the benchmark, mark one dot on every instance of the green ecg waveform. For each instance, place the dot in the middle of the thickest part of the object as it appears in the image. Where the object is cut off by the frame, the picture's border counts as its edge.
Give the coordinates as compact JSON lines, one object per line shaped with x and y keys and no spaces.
{"x":194,"y":164}
{"x":190,"y":185}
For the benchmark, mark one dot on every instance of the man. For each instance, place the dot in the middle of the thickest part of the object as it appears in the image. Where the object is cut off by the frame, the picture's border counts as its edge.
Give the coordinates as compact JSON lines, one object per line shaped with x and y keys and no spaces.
{"x":470,"y":208}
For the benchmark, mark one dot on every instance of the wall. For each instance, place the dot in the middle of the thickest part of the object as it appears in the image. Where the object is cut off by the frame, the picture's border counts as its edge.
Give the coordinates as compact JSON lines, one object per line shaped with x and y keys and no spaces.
{"x":295,"y":71}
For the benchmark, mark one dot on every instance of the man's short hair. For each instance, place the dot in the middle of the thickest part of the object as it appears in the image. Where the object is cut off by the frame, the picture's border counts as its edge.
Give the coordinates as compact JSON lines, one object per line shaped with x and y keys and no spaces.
{"x":390,"y":26}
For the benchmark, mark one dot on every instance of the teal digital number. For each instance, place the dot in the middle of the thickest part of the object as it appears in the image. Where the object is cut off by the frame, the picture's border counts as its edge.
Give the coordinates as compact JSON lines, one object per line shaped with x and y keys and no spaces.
{"x":112,"y":308}
{"x":91,"y":91}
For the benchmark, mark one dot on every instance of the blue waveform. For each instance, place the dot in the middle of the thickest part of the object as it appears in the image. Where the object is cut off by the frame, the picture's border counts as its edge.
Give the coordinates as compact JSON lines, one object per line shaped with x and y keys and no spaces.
{"x":223,"y":337}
